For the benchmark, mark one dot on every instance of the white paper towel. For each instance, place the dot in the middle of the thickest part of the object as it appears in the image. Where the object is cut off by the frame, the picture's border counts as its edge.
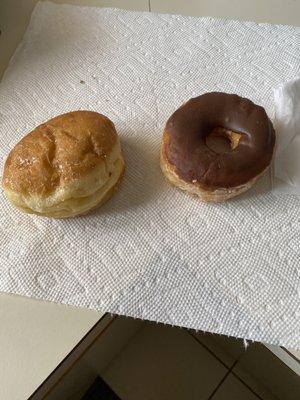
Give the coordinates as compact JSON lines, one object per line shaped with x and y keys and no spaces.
{"x":287,"y":125}
{"x":153,"y":252}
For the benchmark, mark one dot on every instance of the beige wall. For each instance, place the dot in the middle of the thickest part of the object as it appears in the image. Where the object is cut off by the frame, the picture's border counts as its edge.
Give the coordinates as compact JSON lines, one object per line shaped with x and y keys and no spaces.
{"x":14,"y":17}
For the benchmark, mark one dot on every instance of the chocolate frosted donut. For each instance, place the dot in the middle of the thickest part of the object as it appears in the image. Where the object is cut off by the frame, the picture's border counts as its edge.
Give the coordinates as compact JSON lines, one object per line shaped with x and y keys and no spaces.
{"x":217,"y":145}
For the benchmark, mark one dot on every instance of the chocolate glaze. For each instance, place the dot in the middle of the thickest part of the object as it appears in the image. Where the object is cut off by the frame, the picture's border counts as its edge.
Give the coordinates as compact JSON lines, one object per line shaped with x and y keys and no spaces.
{"x":189,"y":126}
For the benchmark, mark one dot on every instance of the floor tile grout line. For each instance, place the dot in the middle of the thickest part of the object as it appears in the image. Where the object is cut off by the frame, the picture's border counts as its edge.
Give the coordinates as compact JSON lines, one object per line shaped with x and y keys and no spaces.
{"x":210,"y":351}
{"x":230,"y":369}
{"x":219,"y":385}
{"x":247,"y":385}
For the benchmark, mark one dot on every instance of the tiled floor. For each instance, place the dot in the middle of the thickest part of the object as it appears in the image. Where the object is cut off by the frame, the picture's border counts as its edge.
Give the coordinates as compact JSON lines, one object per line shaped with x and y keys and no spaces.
{"x":162,"y":363}
{"x":232,"y":353}
{"x":231,"y":388}
{"x":148,"y":361}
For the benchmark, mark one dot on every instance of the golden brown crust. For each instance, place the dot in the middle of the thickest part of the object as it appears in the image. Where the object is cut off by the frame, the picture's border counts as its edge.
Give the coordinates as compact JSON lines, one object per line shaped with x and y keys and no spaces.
{"x":43,"y":161}
{"x":65,"y":167}
{"x":103,"y":197}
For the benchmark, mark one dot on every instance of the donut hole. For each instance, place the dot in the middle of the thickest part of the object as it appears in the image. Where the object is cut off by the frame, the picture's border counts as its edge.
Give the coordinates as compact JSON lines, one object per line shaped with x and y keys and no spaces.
{"x":222,"y":140}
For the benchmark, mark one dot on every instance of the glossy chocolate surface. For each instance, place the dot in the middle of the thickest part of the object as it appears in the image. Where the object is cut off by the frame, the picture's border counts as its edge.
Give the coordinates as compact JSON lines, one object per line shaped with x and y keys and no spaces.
{"x":189,"y":126}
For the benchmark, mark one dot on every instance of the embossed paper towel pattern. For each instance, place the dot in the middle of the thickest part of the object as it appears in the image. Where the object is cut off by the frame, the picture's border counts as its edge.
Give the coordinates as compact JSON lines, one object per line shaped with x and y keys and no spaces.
{"x":153,"y":252}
